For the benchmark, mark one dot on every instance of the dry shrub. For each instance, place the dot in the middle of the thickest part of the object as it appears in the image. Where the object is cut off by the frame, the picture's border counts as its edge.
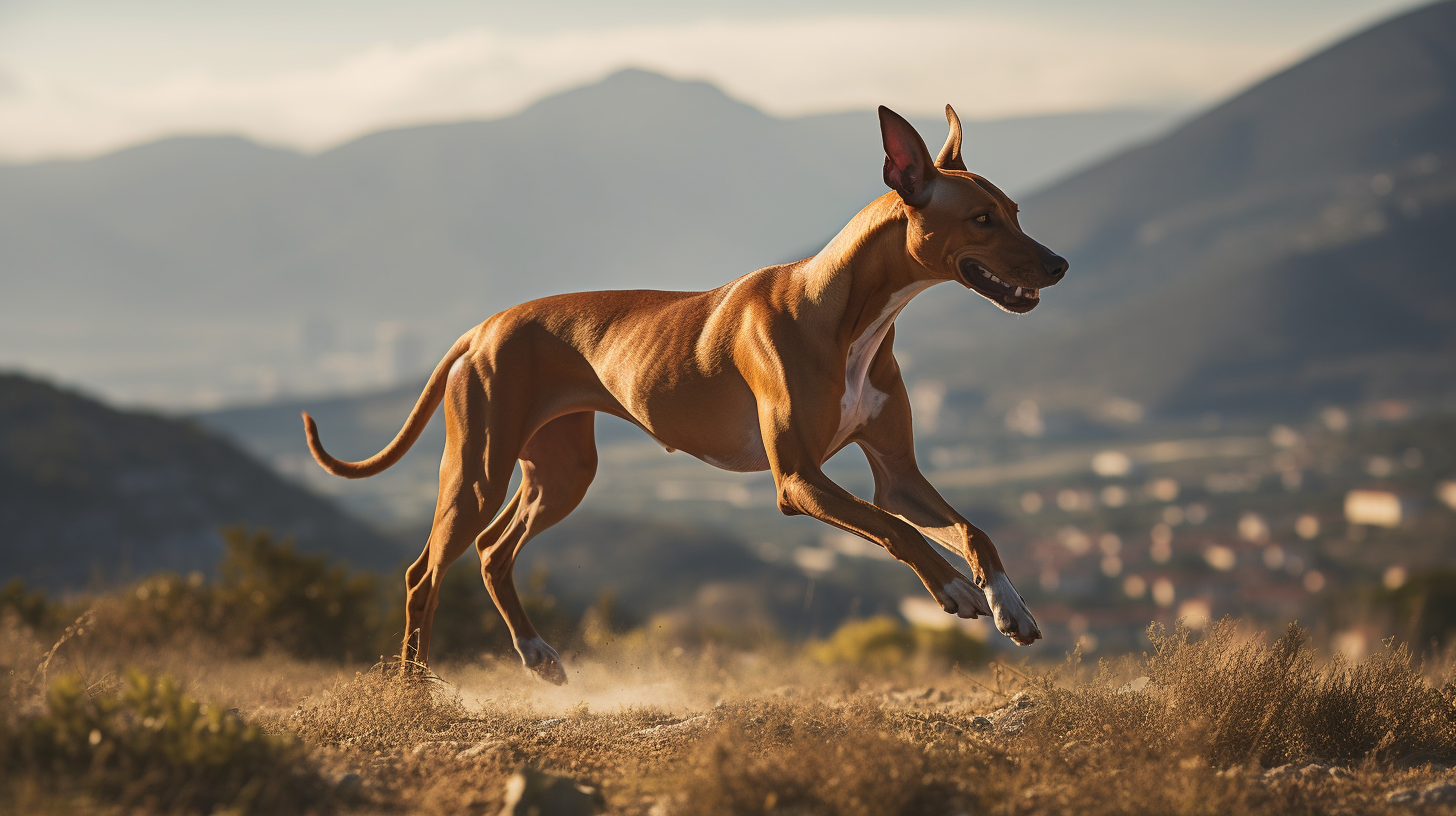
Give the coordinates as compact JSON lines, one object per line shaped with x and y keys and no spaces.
{"x":814,"y":759}
{"x":1232,"y":700}
{"x":148,"y":746}
{"x":160,"y":610}
{"x":379,"y":711}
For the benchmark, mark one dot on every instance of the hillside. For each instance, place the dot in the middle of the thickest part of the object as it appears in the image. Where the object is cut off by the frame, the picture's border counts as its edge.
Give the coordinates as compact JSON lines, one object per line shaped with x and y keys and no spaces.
{"x":90,"y":495}
{"x":1290,"y":247}
{"x":200,"y":271}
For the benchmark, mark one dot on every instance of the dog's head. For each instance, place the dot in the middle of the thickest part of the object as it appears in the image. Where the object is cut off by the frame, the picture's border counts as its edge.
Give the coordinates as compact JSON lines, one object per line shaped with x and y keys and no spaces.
{"x":960,"y":226}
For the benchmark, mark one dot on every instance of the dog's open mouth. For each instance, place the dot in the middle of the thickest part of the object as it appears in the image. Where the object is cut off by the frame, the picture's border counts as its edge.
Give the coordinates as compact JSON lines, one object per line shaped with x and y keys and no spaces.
{"x":1012,"y":298}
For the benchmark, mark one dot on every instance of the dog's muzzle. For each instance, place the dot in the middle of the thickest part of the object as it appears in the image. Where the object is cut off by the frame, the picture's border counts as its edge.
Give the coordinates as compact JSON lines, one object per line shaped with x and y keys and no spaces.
{"x":1012,"y":298}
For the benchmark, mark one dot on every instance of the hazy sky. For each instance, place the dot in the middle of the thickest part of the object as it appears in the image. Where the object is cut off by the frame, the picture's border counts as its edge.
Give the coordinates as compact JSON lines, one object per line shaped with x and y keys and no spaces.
{"x":78,"y":77}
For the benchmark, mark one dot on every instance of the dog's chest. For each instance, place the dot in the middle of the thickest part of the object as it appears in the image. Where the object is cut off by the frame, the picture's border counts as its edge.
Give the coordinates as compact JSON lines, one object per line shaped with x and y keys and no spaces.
{"x":862,"y":402}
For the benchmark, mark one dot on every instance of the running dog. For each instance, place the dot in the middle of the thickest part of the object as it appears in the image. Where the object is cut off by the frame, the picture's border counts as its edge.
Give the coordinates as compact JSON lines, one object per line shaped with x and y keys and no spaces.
{"x":777,"y":370}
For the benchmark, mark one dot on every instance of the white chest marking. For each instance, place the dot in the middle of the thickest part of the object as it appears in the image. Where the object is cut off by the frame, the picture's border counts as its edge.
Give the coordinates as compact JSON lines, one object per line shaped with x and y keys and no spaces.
{"x":862,"y":401}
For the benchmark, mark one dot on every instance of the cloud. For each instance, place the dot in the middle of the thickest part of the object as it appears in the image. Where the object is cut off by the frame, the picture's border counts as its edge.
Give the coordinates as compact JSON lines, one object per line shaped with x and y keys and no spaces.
{"x":989,"y":67}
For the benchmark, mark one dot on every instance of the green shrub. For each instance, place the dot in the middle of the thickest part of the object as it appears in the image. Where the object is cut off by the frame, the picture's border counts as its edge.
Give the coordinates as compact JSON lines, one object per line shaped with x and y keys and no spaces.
{"x":270,"y":597}
{"x":876,"y":644}
{"x":31,"y":607}
{"x":148,"y":745}
{"x":883,"y":642}
{"x":1424,"y":607}
{"x":951,"y":646}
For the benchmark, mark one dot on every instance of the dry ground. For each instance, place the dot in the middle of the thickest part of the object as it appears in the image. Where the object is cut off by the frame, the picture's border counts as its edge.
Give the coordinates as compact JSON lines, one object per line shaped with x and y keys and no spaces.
{"x":1214,"y":722}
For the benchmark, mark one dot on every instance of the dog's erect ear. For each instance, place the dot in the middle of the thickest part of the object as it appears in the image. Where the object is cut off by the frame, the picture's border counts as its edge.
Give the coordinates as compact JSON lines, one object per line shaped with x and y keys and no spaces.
{"x":950,"y":155}
{"x":908,"y":169}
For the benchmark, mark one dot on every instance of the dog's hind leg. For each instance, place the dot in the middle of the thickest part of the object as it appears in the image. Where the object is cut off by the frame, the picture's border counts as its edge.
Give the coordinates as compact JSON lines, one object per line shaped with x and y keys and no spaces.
{"x":474,"y":473}
{"x":557,"y":467}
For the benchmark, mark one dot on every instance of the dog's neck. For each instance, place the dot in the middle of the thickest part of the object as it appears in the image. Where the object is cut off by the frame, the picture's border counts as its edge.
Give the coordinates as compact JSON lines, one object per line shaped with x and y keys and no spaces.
{"x":866,"y":268}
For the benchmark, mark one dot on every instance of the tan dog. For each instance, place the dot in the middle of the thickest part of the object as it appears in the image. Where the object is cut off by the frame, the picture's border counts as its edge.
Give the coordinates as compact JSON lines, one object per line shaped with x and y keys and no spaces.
{"x":777,"y":370}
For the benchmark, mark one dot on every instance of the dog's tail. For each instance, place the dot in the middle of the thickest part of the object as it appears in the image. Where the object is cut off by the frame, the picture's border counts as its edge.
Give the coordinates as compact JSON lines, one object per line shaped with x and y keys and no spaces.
{"x":420,"y":417}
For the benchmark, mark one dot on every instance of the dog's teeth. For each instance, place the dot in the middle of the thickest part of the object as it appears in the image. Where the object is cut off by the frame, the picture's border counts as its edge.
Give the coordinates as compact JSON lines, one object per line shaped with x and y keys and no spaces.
{"x":986,"y":274}
{"x":1018,"y":291}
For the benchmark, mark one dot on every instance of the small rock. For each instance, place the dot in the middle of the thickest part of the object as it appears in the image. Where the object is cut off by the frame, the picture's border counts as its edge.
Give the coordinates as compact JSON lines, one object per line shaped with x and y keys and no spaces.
{"x":534,"y":793}
{"x":1022,"y":700}
{"x":434,"y":749}
{"x":1313,"y":770}
{"x":1441,"y":793}
{"x":1404,"y":796}
{"x":982,"y":724}
{"x":1134,"y":685}
{"x":481,"y":749}
{"x":685,"y":725}
{"x":1280,"y":772}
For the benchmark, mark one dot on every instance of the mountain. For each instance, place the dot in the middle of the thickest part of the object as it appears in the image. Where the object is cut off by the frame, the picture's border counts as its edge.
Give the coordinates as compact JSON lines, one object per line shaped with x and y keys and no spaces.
{"x":1290,"y":247}
{"x":92,"y":495}
{"x":203,"y":271}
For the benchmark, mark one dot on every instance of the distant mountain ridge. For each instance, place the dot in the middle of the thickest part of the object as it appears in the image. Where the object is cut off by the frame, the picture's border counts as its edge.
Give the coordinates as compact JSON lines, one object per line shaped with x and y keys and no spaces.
{"x":1292,"y":246}
{"x":91,"y":495}
{"x":201,"y":270}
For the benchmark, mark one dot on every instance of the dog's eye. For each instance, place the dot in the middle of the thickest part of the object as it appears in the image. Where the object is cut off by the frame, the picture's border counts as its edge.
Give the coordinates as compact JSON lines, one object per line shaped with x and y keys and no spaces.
{"x":982,"y":218}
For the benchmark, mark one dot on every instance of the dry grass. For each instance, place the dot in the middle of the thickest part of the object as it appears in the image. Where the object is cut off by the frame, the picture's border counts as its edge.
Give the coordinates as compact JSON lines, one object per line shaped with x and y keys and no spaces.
{"x":1214,"y":722}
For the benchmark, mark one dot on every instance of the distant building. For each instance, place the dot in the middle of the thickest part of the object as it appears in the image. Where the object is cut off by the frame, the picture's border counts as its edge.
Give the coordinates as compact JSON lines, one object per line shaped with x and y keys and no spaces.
{"x":1378,"y":508}
{"x":1446,"y":492}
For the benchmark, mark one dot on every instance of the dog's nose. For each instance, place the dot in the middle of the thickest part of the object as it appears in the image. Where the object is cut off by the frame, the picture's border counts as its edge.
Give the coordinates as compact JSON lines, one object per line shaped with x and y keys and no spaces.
{"x":1056,"y":266}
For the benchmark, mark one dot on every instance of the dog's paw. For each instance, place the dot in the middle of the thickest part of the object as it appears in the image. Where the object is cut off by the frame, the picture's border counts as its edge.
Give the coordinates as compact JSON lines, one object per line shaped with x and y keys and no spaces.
{"x":963,"y":599}
{"x":1012,"y":617}
{"x":542,"y":660}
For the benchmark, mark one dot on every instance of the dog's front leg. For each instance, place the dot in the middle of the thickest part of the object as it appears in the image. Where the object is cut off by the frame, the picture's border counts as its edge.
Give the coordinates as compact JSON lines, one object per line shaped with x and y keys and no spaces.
{"x":809,"y":492}
{"x":803,"y":489}
{"x":902,"y":490}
